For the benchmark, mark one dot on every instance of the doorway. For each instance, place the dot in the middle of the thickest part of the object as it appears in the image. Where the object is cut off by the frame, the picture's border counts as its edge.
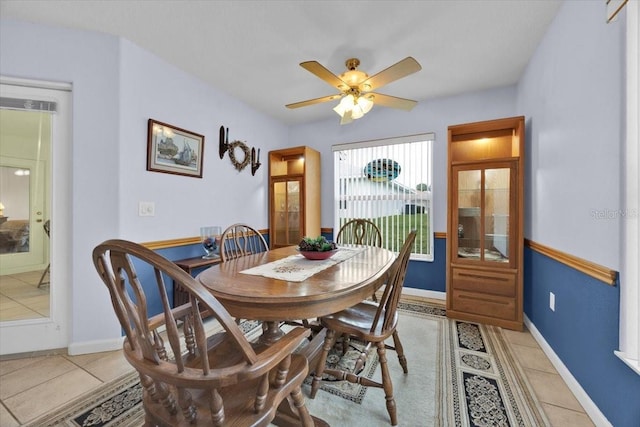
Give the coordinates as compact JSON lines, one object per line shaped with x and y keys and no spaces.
{"x":35,"y":123}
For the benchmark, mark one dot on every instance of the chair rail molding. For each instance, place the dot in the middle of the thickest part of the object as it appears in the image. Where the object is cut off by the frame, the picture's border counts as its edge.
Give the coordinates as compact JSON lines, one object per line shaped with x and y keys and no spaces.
{"x":604,"y":274}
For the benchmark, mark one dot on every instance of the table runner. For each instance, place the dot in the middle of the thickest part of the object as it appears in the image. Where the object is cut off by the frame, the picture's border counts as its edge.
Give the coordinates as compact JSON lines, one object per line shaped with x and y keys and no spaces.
{"x":296,"y":268}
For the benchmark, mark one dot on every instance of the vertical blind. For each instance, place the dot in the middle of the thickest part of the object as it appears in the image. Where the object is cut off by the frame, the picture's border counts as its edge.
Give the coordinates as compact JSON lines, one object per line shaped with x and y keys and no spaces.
{"x":388,"y":181}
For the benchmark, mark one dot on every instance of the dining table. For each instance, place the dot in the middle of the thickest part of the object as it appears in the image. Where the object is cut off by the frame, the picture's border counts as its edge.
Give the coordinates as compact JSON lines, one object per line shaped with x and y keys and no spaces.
{"x":281,"y":285}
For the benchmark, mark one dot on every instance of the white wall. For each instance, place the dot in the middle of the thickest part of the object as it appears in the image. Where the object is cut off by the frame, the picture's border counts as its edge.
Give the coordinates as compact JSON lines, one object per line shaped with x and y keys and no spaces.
{"x":117,"y":87}
{"x":574,"y":174}
{"x":90,"y":62}
{"x":428,"y":116}
{"x":151,"y":88}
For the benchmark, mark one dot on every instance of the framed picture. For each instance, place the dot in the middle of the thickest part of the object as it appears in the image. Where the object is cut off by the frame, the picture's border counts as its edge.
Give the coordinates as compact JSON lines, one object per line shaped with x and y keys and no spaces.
{"x":174,"y":150}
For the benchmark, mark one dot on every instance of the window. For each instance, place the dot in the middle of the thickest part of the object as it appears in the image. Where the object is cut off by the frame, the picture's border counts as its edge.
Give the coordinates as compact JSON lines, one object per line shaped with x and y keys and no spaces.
{"x":388,"y":181}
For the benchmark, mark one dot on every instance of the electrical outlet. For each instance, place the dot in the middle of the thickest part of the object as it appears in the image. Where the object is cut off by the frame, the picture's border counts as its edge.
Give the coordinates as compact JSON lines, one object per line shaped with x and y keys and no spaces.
{"x":552,"y":301}
{"x":146,"y":209}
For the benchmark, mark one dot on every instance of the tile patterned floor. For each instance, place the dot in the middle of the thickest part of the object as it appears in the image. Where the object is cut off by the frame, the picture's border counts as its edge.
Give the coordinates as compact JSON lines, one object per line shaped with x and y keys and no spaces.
{"x":20,"y":297}
{"x":30,"y":387}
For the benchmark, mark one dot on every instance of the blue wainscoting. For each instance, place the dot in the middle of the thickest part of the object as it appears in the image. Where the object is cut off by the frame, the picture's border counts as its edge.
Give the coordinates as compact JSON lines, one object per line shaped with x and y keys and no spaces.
{"x":146,"y":275}
{"x":430,"y":276}
{"x":583,"y":332}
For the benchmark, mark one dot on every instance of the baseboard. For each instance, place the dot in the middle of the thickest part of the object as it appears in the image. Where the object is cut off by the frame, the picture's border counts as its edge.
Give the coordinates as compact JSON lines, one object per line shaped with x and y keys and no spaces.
{"x":424,"y":293}
{"x":87,"y":347}
{"x":589,"y":406}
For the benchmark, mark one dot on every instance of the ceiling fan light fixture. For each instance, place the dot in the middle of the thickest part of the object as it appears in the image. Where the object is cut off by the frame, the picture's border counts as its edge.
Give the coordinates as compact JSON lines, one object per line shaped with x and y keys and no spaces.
{"x":365,"y":104}
{"x":352,"y":108}
{"x":346,"y":104}
{"x":355,"y":87}
{"x":346,"y":118}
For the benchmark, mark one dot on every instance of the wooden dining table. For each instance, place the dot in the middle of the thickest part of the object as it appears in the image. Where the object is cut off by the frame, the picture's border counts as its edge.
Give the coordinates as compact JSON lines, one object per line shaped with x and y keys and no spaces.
{"x":335,"y":288}
{"x":273,"y":301}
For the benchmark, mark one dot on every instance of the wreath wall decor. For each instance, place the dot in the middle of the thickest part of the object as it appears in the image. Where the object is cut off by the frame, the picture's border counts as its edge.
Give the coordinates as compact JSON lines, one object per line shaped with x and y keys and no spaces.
{"x":239,"y":165}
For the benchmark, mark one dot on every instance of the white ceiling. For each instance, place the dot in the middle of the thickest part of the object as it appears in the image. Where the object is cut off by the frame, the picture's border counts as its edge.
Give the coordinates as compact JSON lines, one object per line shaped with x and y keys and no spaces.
{"x":251,"y":49}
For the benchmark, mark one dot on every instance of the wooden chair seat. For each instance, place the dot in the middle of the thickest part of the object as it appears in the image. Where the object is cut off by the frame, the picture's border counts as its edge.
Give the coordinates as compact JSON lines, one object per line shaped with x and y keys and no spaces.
{"x":191,"y":377}
{"x":238,"y":398}
{"x":356,"y":322}
{"x":372,"y":323}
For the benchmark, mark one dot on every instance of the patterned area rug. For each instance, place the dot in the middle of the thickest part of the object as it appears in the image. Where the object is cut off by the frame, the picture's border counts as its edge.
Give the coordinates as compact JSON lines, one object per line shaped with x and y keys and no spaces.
{"x":476,"y":382}
{"x":335,"y":359}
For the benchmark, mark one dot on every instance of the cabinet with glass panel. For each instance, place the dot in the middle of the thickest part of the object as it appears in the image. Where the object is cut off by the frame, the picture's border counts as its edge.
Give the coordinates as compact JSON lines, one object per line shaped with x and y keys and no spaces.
{"x":485,"y":222}
{"x":294,"y":195}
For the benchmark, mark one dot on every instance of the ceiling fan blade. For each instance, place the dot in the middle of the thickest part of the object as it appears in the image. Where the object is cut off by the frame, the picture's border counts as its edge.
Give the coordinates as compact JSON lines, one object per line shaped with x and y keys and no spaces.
{"x":391,"y":101}
{"x":320,"y":71}
{"x":313,"y":101}
{"x":397,"y":71}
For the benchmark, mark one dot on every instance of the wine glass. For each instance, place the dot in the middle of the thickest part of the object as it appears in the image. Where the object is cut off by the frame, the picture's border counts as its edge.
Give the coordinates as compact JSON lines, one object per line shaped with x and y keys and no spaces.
{"x":210,"y":238}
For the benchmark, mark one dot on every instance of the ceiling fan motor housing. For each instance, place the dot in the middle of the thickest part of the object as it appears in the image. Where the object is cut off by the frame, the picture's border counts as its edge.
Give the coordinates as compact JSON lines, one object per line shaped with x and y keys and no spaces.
{"x":353,"y":77}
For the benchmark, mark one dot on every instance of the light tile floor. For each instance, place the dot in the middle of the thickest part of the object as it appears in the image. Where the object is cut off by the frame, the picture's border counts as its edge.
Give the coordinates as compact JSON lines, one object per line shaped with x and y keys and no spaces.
{"x":21,"y":298}
{"x":32,"y":386}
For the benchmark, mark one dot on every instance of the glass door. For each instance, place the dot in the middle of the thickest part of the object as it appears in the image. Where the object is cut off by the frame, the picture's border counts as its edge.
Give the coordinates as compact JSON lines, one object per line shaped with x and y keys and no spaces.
{"x":497,"y":184}
{"x":35,"y":122}
{"x":483,"y":205}
{"x":287,"y":222}
{"x":469,"y":207}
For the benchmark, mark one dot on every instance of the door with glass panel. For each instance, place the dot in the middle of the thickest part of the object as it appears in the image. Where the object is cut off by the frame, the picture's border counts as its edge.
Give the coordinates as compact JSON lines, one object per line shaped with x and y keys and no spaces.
{"x":34,"y":122}
{"x":287,"y":220}
{"x":484,"y":203}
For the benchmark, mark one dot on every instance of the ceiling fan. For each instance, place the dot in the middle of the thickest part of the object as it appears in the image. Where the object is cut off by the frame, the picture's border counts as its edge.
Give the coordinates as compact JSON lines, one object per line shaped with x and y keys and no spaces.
{"x":355,"y":88}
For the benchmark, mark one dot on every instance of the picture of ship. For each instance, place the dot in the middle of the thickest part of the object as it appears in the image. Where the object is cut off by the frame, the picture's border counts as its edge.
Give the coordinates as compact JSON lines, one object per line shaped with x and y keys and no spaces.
{"x":186,"y":157}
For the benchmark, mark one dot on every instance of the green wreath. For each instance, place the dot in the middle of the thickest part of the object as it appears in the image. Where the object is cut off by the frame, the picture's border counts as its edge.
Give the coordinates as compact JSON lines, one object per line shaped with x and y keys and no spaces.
{"x":232,"y":155}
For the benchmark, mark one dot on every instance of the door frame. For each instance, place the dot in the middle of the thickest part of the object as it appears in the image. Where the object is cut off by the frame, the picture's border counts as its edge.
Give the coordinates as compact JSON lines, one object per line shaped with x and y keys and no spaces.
{"x":22,"y":336}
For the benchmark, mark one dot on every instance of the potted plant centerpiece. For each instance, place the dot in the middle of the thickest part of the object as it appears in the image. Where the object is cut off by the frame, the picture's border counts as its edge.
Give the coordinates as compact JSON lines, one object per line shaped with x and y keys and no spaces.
{"x":317,"y":248}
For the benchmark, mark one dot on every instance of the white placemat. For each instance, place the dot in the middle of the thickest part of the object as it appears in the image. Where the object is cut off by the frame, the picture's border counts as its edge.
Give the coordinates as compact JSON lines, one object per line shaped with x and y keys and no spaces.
{"x":296,"y":268}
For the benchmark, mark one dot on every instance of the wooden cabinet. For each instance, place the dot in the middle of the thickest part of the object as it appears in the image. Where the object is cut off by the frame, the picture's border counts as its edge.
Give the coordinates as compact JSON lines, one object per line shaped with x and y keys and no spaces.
{"x":485,"y":222}
{"x":294,"y":195}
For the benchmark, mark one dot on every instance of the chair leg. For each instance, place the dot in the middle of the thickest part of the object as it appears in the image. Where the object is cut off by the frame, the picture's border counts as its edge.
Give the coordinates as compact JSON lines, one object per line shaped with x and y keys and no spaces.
{"x":46,"y":271}
{"x":329,"y":341}
{"x":303,"y":412}
{"x":386,"y":384}
{"x":400,"y":352}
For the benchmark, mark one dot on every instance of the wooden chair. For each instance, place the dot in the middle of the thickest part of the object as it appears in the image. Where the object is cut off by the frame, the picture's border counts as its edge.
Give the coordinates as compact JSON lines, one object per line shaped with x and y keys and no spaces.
{"x":360,"y":231}
{"x":240,"y":240}
{"x":199,"y":378}
{"x":371,"y":323}
{"x":47,"y":229}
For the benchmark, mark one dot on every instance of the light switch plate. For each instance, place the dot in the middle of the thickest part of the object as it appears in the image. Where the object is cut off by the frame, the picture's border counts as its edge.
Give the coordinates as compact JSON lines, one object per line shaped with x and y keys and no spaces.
{"x":146,"y":209}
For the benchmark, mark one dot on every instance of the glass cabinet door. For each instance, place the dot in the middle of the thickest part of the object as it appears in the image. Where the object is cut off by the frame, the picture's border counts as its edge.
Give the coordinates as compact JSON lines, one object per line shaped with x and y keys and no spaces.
{"x":483,"y":209}
{"x":469,"y":206}
{"x":496,"y":214}
{"x":286,"y":205}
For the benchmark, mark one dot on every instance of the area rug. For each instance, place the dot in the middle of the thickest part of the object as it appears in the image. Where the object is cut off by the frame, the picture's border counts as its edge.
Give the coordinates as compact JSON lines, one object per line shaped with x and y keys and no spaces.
{"x":460,"y":374}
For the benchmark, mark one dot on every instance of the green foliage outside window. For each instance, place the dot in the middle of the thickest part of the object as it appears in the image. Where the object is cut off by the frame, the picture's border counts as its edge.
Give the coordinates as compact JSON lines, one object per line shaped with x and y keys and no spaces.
{"x":395,"y":228}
